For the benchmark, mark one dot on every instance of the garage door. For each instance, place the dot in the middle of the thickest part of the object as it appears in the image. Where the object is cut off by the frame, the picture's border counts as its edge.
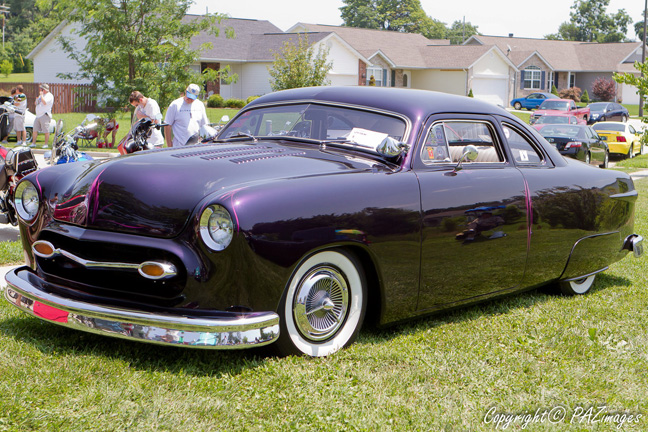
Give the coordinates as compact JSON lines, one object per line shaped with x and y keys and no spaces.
{"x":493,"y":90}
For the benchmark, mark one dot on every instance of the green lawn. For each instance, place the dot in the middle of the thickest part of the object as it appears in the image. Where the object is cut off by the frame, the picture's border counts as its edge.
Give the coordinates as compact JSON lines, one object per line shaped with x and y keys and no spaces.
{"x":71,"y":120}
{"x":18,"y":78}
{"x":532,"y":352}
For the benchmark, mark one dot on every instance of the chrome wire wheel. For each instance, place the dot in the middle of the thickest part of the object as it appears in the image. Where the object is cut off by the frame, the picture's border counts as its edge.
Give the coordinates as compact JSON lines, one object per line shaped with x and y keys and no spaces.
{"x":323,"y":306}
{"x":321,"y":303}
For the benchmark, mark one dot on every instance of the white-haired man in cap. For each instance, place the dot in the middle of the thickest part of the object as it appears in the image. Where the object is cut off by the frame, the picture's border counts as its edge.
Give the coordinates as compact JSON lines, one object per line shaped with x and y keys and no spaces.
{"x":44,"y":104}
{"x":185,"y":116}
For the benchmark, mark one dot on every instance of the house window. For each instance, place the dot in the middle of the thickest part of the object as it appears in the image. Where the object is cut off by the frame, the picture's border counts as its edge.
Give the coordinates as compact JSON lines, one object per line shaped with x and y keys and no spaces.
{"x":379,"y":75}
{"x":532,"y":78}
{"x":572,"y":80}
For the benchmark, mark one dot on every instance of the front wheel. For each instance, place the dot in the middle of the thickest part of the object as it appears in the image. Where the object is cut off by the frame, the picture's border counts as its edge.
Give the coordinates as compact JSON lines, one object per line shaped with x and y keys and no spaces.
{"x":577,"y":287}
{"x":517,"y":106}
{"x":324,"y":305}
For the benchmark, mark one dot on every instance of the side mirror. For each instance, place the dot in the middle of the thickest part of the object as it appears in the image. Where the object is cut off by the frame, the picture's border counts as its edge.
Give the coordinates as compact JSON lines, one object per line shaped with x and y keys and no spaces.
{"x":470,"y":153}
{"x":389,"y":147}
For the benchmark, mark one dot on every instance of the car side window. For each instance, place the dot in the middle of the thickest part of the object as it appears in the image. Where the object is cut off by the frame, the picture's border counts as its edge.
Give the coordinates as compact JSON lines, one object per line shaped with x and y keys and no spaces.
{"x":631,"y":129}
{"x":524,"y":152}
{"x":446,"y":142}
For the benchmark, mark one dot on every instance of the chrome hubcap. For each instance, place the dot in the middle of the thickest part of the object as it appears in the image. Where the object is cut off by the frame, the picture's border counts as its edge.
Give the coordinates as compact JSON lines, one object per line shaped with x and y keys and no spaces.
{"x":321,"y":303}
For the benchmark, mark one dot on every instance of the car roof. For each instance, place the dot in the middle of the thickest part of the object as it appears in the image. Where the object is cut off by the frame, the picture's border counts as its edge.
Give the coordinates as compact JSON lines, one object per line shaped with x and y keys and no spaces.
{"x":415,"y":104}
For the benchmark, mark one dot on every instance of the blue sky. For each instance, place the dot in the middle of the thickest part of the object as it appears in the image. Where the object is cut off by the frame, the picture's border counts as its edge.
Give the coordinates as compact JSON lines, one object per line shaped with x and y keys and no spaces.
{"x":493,"y":17}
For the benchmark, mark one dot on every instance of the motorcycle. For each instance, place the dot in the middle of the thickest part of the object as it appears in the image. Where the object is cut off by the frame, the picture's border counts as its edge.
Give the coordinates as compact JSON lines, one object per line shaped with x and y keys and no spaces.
{"x":14,"y":165}
{"x":137,"y":138}
{"x":65,"y":148}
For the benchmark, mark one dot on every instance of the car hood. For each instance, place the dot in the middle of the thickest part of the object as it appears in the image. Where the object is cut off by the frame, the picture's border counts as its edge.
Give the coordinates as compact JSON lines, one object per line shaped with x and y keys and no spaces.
{"x":154,"y":193}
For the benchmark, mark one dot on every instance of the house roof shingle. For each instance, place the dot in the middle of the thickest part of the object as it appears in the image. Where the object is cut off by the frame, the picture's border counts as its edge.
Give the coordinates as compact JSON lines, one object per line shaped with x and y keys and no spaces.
{"x":574,"y":56}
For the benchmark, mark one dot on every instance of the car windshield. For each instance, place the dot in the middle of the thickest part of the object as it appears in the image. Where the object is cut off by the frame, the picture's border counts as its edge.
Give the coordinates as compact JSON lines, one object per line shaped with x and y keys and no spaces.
{"x":606,"y":126}
{"x":560,"y":131}
{"x":598,"y":107}
{"x":553,"y":120}
{"x":318,"y":122}
{"x":555,"y":105}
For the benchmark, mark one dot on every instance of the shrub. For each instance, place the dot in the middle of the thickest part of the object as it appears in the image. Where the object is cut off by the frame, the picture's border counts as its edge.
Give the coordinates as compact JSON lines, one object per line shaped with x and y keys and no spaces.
{"x":604,"y":89}
{"x":234,"y":103}
{"x":6,"y":67}
{"x":573,"y":93}
{"x":554,"y":90}
{"x":470,"y":93}
{"x":215,"y":101}
{"x":250,"y":99}
{"x":585,"y":98}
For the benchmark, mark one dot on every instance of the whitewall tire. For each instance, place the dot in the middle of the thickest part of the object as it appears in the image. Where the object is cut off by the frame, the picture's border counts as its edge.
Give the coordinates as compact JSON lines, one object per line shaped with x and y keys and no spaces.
{"x":324,"y":305}
{"x":578,"y":287}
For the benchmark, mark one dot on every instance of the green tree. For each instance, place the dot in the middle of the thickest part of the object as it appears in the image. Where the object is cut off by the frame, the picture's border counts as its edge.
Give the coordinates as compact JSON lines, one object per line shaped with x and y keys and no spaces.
{"x":639,"y":29}
{"x":590,"y":22}
{"x":641,"y":83}
{"x":140,"y":45}
{"x":395,"y":15}
{"x":460,"y":32}
{"x":27,"y":23}
{"x":6,"y":67}
{"x":297,"y":65}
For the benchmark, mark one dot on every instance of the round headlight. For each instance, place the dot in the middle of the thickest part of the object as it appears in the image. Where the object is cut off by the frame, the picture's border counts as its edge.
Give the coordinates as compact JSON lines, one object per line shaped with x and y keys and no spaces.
{"x":26,"y":200}
{"x":216,"y":227}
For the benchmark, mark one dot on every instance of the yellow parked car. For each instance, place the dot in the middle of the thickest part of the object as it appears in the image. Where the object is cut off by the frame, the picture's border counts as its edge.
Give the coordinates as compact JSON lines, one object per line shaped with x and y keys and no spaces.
{"x":622,"y":138}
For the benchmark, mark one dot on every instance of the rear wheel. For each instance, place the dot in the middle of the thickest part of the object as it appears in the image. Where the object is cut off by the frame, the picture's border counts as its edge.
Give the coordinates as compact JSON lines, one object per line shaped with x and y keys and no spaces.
{"x":606,"y":160}
{"x":587,"y":158}
{"x":28,"y":132}
{"x":577,"y":287}
{"x":324,"y":305}
{"x":630,"y":154}
{"x":624,"y":118}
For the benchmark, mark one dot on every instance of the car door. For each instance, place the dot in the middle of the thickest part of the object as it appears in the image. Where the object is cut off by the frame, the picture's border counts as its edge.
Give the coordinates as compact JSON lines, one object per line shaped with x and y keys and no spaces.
{"x":596,"y":146}
{"x":474,"y":232}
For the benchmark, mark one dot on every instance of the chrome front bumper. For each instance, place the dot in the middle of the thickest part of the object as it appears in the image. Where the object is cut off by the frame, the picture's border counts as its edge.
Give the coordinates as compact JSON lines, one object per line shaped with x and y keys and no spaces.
{"x":25,"y":290}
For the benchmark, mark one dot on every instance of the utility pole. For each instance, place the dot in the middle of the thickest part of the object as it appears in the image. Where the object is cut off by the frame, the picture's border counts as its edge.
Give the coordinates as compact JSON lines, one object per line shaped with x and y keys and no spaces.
{"x":643,"y":59}
{"x":4,"y":10}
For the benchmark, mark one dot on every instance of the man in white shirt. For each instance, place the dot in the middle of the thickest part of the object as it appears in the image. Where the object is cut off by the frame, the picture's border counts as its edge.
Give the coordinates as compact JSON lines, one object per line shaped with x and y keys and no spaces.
{"x":184,"y":117}
{"x":148,"y":108}
{"x":44,"y":104}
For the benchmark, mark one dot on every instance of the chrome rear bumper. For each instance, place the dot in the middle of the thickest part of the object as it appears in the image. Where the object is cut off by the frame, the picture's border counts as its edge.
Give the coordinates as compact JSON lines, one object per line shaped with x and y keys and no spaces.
{"x":25,"y":290}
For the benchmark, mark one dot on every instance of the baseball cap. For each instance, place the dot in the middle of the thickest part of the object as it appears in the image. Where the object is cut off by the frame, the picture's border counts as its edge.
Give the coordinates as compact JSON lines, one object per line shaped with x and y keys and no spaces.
{"x":44,"y":87}
{"x":192,"y":91}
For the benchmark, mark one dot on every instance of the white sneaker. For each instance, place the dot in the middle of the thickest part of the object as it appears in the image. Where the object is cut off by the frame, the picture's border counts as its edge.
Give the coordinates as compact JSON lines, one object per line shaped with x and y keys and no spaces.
{"x":19,"y":143}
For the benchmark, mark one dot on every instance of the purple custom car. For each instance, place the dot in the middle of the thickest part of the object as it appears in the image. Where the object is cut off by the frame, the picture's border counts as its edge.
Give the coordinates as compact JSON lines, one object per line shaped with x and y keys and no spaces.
{"x":312,"y":212}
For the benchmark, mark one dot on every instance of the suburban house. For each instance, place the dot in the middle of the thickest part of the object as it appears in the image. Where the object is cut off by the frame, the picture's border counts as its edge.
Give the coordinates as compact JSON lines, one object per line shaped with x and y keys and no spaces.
{"x":495,"y":69}
{"x":542,"y":63}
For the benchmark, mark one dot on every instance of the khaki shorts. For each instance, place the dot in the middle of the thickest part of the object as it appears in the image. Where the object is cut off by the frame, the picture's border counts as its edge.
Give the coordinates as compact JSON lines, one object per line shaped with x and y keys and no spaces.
{"x":42,"y":123}
{"x":19,"y":123}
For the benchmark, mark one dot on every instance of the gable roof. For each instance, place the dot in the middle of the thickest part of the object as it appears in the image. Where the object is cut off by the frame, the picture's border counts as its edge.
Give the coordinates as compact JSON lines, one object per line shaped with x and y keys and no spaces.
{"x":573,"y":56}
{"x":458,"y":56}
{"x":403,"y":50}
{"x":241,"y":47}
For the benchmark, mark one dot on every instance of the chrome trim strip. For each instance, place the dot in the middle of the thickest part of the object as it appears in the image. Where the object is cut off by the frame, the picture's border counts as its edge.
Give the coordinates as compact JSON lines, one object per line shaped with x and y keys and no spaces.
{"x":168,"y":270}
{"x":237,"y":330}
